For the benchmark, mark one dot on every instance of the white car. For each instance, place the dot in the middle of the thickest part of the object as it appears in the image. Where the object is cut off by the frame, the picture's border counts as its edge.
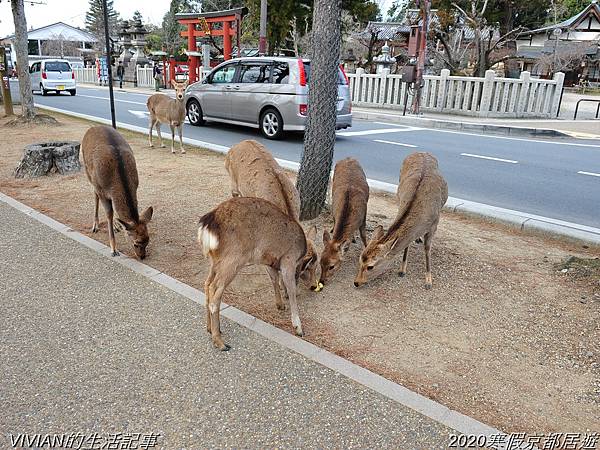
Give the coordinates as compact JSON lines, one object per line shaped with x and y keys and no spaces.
{"x":53,"y":75}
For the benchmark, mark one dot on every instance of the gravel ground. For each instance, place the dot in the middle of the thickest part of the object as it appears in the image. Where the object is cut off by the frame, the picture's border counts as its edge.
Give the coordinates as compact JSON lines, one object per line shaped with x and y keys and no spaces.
{"x":505,"y":336}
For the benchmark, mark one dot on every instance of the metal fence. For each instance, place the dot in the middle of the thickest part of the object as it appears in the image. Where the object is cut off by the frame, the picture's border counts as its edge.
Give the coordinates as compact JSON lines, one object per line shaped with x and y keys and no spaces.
{"x":491,"y":96}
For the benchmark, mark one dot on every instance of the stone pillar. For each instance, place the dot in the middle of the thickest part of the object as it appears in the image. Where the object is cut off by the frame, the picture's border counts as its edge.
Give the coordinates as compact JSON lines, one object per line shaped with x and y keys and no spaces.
{"x":442,"y":91}
{"x":523,"y":94}
{"x":486,"y":95}
{"x":559,"y":77}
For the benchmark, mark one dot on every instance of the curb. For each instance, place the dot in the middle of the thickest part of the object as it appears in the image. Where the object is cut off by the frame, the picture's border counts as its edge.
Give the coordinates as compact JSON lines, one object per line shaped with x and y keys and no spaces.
{"x":516,"y":219}
{"x":396,"y":392}
{"x":470,"y":127}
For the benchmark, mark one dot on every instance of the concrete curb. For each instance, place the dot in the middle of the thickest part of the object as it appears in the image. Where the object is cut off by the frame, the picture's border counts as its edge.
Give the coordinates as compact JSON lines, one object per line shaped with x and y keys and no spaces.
{"x":398,"y":393}
{"x":516,"y":219}
{"x":468,"y":127}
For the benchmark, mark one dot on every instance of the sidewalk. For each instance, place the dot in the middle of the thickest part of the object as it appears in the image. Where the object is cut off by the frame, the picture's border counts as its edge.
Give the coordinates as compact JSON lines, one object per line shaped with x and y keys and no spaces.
{"x":89,"y":346}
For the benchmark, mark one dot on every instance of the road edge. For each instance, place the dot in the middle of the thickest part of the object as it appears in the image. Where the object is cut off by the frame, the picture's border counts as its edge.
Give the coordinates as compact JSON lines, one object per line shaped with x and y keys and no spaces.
{"x":394,"y":391}
{"x":515,"y":219}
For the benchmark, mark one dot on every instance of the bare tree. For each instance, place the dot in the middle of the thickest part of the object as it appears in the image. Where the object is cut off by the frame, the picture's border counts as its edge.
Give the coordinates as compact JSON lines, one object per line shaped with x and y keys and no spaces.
{"x":565,"y":58}
{"x":370,"y":39}
{"x":22,"y":59}
{"x":319,"y":139}
{"x":57,"y":45}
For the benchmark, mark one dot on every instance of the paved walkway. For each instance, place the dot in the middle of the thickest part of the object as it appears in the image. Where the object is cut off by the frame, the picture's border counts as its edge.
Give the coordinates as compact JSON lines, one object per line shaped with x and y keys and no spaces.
{"x":89,"y":346}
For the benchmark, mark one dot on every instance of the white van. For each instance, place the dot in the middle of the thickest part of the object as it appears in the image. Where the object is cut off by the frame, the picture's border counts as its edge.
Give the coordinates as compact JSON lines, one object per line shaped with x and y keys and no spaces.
{"x":53,"y":75}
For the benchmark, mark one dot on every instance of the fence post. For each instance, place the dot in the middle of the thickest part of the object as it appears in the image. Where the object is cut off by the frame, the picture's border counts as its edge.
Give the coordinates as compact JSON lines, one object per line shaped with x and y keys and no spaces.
{"x":442,"y":90}
{"x":488,"y":91}
{"x":559,"y":78}
{"x":383,"y":85}
{"x":524,"y":93}
{"x":358,"y":85}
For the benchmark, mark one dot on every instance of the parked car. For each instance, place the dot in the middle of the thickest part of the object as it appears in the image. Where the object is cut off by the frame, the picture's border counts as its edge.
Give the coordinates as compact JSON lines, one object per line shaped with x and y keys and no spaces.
{"x":53,"y":75}
{"x":269,"y":93}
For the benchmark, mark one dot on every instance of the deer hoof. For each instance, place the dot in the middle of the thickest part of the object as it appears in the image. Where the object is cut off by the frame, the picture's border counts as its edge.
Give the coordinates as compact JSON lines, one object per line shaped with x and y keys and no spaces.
{"x":281,"y":307}
{"x":162,"y":145}
{"x":115,"y":253}
{"x":95,"y":228}
{"x":428,"y":286}
{"x":182,"y":151}
{"x":222,"y":346}
{"x":298,"y":331}
{"x":401,"y":274}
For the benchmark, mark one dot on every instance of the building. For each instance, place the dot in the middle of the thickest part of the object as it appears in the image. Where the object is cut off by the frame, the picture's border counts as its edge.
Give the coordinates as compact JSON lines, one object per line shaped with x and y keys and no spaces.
{"x":571,"y":46}
{"x":58,"y":40}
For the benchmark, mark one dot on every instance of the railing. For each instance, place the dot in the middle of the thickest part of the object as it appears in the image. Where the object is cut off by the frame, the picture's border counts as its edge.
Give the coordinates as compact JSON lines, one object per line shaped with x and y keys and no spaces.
{"x":483,"y":97}
{"x":145,"y":77}
{"x":86,"y":75}
{"x":587,"y":100}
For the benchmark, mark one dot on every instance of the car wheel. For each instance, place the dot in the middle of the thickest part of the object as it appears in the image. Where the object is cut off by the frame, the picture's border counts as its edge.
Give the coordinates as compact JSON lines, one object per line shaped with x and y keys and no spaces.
{"x":194,"y":113}
{"x":73,"y":91}
{"x":271,"y":124}
{"x":44,"y":91}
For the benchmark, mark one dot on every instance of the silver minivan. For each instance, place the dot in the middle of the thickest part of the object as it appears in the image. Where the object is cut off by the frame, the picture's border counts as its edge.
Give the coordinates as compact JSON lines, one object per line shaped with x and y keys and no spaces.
{"x":269,"y":93}
{"x":52,"y":75}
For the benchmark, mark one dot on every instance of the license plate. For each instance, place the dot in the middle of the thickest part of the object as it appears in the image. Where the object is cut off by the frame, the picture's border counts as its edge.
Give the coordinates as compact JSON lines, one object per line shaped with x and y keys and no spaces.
{"x":60,"y":87}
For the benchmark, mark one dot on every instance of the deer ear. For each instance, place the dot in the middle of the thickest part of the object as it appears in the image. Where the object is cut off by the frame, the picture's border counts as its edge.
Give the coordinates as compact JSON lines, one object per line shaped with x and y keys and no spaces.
{"x":312,"y":233}
{"x":186,"y":83}
{"x":378,"y":232}
{"x":174,"y":83}
{"x":147,"y":215}
{"x":125,"y":225}
{"x":326,"y":237}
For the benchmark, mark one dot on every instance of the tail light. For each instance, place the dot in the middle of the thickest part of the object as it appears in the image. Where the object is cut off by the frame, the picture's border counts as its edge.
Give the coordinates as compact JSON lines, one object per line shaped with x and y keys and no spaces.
{"x":44,"y":76}
{"x":302,"y":72}
{"x":303,"y":109}
{"x":344,"y":73}
{"x":73,"y":75}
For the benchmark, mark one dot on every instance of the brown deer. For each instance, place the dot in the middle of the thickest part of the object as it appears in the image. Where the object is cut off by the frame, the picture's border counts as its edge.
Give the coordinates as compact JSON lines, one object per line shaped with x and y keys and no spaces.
{"x":164,"y":109}
{"x":255,"y":173}
{"x":350,"y":194}
{"x":245,"y":231}
{"x":422,"y":192}
{"x":111,"y":169}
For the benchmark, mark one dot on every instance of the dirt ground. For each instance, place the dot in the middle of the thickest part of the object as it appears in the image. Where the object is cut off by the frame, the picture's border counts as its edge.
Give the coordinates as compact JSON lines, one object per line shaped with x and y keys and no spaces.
{"x":509,"y":334}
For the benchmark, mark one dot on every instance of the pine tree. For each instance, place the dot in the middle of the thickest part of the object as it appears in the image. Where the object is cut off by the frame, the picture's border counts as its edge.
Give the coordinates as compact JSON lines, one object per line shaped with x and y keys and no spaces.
{"x":94,"y":20}
{"x":172,"y":28}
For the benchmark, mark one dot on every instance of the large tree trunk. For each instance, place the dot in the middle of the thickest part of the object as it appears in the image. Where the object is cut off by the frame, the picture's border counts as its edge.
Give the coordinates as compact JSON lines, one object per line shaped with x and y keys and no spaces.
{"x":22,"y":58}
{"x":319,"y":138}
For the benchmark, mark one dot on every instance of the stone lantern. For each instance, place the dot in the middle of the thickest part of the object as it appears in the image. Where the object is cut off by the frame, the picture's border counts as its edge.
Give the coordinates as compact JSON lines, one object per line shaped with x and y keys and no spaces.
{"x":350,"y":62}
{"x":125,"y":43}
{"x":138,"y":42}
{"x":385,"y":60}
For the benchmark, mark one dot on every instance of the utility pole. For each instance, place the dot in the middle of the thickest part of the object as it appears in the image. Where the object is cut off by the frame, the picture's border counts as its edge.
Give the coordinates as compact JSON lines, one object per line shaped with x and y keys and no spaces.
{"x":5,"y":83}
{"x":421,"y":57}
{"x":262,"y":39}
{"x":109,"y":67}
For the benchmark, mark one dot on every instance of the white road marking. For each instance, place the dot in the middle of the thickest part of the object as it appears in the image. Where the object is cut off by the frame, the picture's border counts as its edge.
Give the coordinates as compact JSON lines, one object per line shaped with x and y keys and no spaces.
{"x":389,"y":124}
{"x":139,"y":114}
{"x":490,"y":158}
{"x":537,"y":141}
{"x":592,"y":174}
{"x":380,"y":131}
{"x":116,"y":99}
{"x":395,"y":143}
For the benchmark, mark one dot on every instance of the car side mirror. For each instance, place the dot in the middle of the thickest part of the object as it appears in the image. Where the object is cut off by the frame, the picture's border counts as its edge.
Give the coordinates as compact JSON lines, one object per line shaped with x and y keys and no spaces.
{"x":207,"y":80}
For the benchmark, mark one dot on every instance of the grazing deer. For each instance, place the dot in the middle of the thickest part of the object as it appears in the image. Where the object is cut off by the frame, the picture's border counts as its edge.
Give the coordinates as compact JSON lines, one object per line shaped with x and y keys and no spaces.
{"x":244,"y":231}
{"x":350,"y":194}
{"x":255,"y":173}
{"x":422,"y":192}
{"x":110,"y":167}
{"x":164,"y":109}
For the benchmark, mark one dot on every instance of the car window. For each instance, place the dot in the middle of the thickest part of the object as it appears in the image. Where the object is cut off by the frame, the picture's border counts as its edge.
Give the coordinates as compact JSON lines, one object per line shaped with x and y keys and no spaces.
{"x":224,"y":74}
{"x":255,"y":73}
{"x":57,"y":66}
{"x":281,"y":73}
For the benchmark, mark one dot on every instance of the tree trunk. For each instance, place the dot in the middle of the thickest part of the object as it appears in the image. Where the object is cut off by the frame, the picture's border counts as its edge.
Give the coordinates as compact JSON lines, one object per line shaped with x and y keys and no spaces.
{"x":319,"y":138}
{"x":41,"y":159}
{"x":21,"y":48}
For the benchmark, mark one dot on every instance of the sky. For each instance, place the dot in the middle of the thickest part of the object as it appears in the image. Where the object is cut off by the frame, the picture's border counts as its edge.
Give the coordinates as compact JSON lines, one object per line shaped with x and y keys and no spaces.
{"x":73,"y":12}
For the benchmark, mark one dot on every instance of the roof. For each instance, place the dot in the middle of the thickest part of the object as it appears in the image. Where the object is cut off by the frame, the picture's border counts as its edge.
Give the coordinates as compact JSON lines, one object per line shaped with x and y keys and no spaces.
{"x":592,"y":8}
{"x":68,"y":33}
{"x":386,"y":30}
{"x":227,"y":12}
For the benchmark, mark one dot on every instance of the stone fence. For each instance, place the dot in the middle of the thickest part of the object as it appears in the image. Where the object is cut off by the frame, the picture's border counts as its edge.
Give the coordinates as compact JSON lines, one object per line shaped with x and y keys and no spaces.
{"x":481,"y":97}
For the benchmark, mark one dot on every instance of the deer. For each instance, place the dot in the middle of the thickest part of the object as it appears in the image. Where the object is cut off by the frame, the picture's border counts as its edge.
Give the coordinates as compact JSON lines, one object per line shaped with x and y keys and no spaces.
{"x":164,"y":109}
{"x":350,"y":194}
{"x":254,"y":173}
{"x":421,"y":195}
{"x":110,"y":168}
{"x":246,"y":231}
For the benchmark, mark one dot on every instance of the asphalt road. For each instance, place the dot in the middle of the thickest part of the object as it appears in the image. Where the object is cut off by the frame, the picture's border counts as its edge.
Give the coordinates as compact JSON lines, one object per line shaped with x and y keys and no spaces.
{"x":557,"y":178}
{"x":89,"y":346}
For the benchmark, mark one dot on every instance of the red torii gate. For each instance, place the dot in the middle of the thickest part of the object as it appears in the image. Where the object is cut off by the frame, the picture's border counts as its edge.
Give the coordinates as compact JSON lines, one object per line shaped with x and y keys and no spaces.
{"x":203,"y":24}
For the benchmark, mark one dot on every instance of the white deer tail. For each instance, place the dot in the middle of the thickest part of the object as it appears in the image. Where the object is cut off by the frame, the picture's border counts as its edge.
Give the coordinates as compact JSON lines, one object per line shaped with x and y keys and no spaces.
{"x":207,"y":239}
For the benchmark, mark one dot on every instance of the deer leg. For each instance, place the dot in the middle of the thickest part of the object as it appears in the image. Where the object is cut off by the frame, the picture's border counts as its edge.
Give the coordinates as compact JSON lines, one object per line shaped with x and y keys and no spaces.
{"x":363,"y":230}
{"x":181,"y":137}
{"x":288,"y":274}
{"x":108,"y":207}
{"x":220,"y":282}
{"x":150,"y":133}
{"x":172,"y":138}
{"x":207,"y":285}
{"x":274,"y":274}
{"x":404,"y":263}
{"x":428,"y":280}
{"x":160,"y":142}
{"x":96,"y":202}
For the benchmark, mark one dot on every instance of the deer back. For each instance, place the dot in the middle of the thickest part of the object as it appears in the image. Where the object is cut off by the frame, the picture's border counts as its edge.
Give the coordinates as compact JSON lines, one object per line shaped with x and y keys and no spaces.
{"x":166,"y":109}
{"x":350,"y":195}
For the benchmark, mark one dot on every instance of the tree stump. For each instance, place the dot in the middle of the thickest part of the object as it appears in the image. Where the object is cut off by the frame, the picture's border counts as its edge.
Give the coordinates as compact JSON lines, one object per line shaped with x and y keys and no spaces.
{"x":41,"y":159}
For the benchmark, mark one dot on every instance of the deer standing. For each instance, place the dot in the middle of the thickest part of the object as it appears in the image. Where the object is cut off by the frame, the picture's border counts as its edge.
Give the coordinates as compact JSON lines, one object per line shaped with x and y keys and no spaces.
{"x":350,"y":194}
{"x":110,"y":167}
{"x":422,"y":192}
{"x":255,"y":173}
{"x":164,"y":109}
{"x":244,"y":231}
